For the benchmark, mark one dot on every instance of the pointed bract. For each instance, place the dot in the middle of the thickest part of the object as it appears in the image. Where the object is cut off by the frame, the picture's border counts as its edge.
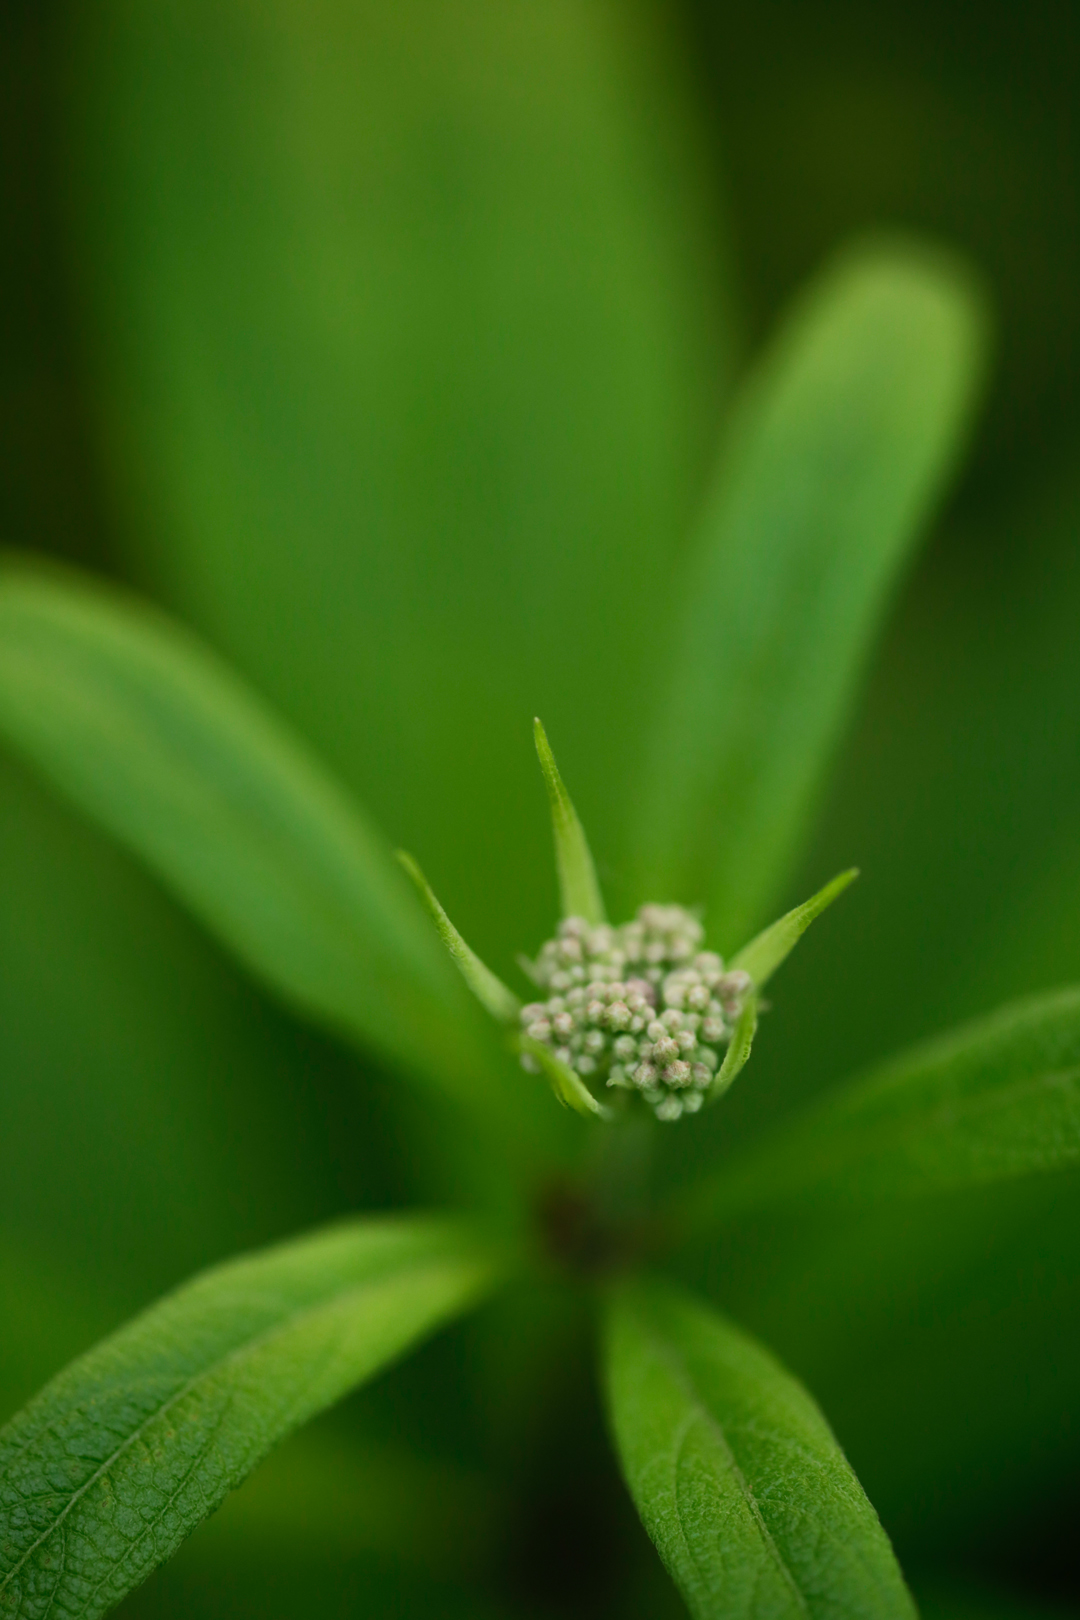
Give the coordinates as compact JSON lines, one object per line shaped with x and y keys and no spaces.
{"x":579,"y":891}
{"x":738,"y":1050}
{"x":489,"y":990}
{"x":763,"y":955}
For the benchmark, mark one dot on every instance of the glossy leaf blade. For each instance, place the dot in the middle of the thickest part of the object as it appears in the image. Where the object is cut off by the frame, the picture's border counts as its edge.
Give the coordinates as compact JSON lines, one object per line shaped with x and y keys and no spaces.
{"x":157,"y":740}
{"x":113,"y":1463}
{"x":833,"y":460}
{"x":773,"y":945}
{"x":488,"y":989}
{"x":995,"y":1099}
{"x":579,"y":889}
{"x":737,"y":1477}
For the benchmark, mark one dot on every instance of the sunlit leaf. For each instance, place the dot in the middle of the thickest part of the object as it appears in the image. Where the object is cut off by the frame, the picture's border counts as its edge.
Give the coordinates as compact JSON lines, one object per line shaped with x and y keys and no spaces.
{"x":489,"y":990}
{"x":104,"y":1473}
{"x":579,"y":890}
{"x":831,"y":465}
{"x":735,"y":1473}
{"x":152,"y":736}
{"x":996,"y":1099}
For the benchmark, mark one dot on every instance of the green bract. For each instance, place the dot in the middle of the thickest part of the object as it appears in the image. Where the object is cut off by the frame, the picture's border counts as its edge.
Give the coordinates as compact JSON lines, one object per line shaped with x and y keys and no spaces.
{"x":834,"y":453}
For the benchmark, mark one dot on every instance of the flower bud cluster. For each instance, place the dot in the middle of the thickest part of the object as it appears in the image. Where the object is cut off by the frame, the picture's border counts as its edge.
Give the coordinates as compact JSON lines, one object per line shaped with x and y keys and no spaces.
{"x":640,"y":1007}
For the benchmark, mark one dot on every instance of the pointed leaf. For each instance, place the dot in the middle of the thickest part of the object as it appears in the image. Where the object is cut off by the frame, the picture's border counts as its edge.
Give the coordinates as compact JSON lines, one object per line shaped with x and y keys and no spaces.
{"x":490,"y":991}
{"x":152,"y":736}
{"x":579,"y":891}
{"x":570,"y":1089}
{"x":122,"y":1455}
{"x":763,"y":955}
{"x":995,"y":1099}
{"x":836,"y":454}
{"x":735,"y":1058}
{"x":735,"y":1473}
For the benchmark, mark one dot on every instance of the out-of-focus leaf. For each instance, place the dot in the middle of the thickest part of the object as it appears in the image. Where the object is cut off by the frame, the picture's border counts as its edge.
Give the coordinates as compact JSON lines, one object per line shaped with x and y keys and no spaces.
{"x":104,"y":1473}
{"x":735,"y":1472}
{"x":954,"y":1599}
{"x":763,"y":955}
{"x":579,"y":891}
{"x":836,"y":454}
{"x":489,"y":990}
{"x":405,"y":334}
{"x":163,"y":746}
{"x":327,"y":1496}
{"x":996,"y":1099}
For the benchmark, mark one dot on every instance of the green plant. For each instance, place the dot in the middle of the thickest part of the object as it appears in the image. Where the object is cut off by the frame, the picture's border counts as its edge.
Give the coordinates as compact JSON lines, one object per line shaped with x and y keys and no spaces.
{"x":831,"y":461}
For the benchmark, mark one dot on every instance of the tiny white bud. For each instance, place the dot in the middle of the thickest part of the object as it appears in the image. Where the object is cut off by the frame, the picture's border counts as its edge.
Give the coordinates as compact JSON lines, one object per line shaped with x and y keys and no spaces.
{"x":687,"y":1040}
{"x":594,"y":1042}
{"x":692,"y":1102}
{"x":701,"y":1075}
{"x":666,"y":1049}
{"x":670,"y":1109}
{"x":626,"y":1047}
{"x":563,"y":1023}
{"x":644,"y":1074}
{"x":585,"y":1064}
{"x":712,"y":1029}
{"x":677,"y":1073}
{"x":618,"y":1015}
{"x":595,"y":1011}
{"x":539,"y":1031}
{"x":564,"y":1055}
{"x":671,"y":1020}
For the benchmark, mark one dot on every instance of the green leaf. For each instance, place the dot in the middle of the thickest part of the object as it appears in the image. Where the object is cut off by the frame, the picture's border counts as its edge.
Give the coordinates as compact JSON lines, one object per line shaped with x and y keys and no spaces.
{"x":490,"y":991}
{"x":163,"y":746}
{"x":735,"y":1058}
{"x":579,"y":891}
{"x":838,"y":450}
{"x":570,"y":1089}
{"x":735,"y":1473}
{"x":995,"y":1099}
{"x":106,"y":1471}
{"x":763,"y":955}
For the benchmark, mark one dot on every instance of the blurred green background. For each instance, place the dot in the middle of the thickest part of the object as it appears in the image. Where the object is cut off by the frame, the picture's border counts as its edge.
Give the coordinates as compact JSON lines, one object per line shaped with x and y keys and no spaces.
{"x":388,"y":343}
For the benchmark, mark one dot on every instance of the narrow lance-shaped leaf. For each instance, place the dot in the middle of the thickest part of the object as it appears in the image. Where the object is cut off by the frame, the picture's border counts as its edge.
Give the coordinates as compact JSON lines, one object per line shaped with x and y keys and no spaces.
{"x":995,"y":1099}
{"x":773,"y":945}
{"x":151,"y":735}
{"x":834,"y":458}
{"x":488,"y":989}
{"x":579,"y":890}
{"x":738,"y":1052}
{"x":122,"y":1455}
{"x":735,"y":1473}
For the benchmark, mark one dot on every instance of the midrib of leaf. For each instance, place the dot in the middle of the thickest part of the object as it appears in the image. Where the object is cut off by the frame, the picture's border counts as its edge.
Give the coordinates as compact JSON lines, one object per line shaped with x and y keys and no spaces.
{"x":249,"y":1346}
{"x":699,"y":1413}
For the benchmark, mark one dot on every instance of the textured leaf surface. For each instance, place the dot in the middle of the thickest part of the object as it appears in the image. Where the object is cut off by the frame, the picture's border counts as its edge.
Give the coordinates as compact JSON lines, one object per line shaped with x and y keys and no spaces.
{"x":152,"y":736}
{"x":831,"y":465}
{"x":116,"y":1460}
{"x":735,"y":1472}
{"x":997,"y":1098}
